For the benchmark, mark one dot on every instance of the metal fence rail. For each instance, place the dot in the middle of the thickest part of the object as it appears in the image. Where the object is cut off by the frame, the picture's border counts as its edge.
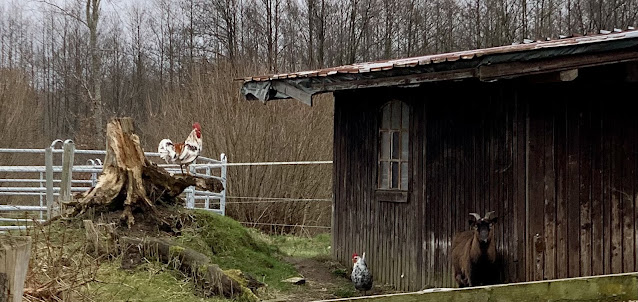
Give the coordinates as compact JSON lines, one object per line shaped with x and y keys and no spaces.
{"x":51,"y":183}
{"x":44,"y":185}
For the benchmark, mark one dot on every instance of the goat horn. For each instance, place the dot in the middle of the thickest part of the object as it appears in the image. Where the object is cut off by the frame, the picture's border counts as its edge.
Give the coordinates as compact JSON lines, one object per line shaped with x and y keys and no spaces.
{"x":488,"y":215}
{"x":476,"y":216}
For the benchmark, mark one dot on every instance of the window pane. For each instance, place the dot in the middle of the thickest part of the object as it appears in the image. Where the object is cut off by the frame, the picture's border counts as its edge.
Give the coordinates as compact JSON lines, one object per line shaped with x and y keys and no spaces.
{"x":386,"y":115}
{"x":396,"y":115}
{"x":383,"y":174}
{"x":385,"y":145}
{"x":405,"y":146}
{"x":395,"y":175}
{"x":405,"y":117}
{"x":395,"y":144}
{"x":404,"y":175}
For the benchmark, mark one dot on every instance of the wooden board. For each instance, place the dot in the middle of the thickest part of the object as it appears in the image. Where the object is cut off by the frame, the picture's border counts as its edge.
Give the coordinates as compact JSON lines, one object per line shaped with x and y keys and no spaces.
{"x":549,"y":193}
{"x":597,"y":229}
{"x":585,"y":194}
{"x":560,"y":145}
{"x":573,"y":186}
{"x":535,"y":187}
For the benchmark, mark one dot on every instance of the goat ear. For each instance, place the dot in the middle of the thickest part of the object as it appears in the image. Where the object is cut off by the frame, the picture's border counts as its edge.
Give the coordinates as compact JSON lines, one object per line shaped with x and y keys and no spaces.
{"x":494,"y":220}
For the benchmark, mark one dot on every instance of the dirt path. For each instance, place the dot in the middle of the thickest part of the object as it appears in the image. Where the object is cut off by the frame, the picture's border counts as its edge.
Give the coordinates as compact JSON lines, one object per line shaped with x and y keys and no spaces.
{"x":325,"y":279}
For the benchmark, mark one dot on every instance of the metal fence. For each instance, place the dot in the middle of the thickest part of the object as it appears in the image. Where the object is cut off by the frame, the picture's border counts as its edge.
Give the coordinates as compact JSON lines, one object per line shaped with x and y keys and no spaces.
{"x":40,"y":188}
{"x":259,"y":205}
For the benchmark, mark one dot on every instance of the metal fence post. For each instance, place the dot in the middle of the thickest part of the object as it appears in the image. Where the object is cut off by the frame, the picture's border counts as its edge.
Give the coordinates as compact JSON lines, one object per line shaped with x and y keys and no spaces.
{"x":222,"y":200}
{"x":190,"y":196}
{"x":207,"y":201}
{"x":67,"y":174}
{"x":48,"y":162}
{"x":42,"y":185}
{"x":93,"y":174}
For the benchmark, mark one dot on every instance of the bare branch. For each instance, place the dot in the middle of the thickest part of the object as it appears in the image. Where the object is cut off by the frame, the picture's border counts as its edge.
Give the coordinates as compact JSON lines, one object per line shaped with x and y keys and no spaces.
{"x":63,"y":11}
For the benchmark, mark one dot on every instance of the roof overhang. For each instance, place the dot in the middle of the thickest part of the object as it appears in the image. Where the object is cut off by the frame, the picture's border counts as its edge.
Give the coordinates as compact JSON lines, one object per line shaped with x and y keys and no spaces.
{"x":485,"y":65}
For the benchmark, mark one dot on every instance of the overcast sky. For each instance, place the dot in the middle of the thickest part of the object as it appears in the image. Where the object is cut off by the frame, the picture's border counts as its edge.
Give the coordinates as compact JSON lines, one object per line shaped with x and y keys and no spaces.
{"x":108,"y":7}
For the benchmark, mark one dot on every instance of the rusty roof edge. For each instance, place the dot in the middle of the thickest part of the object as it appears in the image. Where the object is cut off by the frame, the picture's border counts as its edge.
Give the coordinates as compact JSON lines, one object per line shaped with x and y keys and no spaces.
{"x":381,"y":65}
{"x":264,"y":91}
{"x":564,"y":50}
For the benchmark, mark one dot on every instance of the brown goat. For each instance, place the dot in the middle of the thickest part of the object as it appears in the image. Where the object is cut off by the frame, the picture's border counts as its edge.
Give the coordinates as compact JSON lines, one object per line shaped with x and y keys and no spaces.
{"x":474,"y":253}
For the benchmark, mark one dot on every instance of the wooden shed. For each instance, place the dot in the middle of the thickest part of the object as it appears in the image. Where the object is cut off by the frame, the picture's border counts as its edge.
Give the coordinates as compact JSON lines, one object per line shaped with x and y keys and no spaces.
{"x":543,"y":133}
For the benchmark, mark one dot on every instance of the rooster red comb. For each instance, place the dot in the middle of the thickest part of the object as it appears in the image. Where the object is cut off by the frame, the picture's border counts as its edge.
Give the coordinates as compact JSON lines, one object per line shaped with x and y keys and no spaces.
{"x":197,"y":126}
{"x":354,"y":255}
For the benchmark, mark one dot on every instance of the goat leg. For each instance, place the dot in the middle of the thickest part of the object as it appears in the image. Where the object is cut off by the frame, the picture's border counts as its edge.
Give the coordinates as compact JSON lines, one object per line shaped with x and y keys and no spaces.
{"x":462,"y":280}
{"x":468,"y":277}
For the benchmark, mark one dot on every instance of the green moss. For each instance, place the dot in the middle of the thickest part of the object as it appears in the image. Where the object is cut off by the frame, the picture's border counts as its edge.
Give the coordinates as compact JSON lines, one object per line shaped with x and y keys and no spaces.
{"x":340,"y":272}
{"x":235,"y":274}
{"x":345,"y":292}
{"x":148,"y":282}
{"x":232,"y":246}
{"x":247,"y":294}
{"x":226,"y":242}
{"x":175,"y":250}
{"x":151,"y":282}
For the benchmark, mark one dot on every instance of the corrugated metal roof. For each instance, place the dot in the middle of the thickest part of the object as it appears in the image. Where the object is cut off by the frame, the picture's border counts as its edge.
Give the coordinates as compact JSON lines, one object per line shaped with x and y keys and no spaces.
{"x":527,"y":45}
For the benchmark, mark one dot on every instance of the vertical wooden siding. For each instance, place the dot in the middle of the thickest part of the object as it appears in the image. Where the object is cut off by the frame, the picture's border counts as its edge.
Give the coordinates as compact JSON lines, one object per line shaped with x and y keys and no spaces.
{"x":559,"y":170}
{"x":471,"y":163}
{"x":582,"y":163}
{"x":386,"y":231}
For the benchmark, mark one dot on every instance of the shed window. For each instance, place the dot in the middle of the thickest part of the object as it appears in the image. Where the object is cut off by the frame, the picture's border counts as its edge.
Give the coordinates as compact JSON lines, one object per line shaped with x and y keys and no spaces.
{"x":394,"y":146}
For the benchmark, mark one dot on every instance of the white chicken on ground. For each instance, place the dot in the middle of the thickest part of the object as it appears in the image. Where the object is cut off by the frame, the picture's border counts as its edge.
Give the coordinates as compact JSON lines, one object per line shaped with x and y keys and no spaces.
{"x":361,"y":276}
{"x":184,"y":153}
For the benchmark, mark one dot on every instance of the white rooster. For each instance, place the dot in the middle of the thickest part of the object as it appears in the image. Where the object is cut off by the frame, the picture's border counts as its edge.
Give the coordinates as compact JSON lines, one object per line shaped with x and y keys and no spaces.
{"x":361,"y":276}
{"x":184,"y":153}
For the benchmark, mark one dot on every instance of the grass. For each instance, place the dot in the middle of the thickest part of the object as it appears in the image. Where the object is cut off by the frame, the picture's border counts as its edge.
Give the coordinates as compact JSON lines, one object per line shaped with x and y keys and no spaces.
{"x":345,"y":292}
{"x":232,"y":246}
{"x":313,"y":247}
{"x":318,"y":248}
{"x":340,"y":272}
{"x":225,"y":241}
{"x":149,"y":282}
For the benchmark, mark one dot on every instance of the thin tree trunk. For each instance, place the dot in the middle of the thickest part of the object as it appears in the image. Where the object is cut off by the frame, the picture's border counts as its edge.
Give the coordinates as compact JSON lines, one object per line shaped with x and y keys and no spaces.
{"x":92,"y":18}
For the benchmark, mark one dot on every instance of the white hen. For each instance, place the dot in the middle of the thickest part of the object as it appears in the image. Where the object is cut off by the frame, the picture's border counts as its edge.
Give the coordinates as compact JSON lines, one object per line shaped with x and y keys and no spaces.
{"x":361,"y":276}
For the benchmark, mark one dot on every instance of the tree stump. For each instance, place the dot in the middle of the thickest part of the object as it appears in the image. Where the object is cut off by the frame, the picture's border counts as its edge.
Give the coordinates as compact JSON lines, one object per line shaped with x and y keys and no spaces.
{"x":14,"y":261}
{"x":129,"y":181}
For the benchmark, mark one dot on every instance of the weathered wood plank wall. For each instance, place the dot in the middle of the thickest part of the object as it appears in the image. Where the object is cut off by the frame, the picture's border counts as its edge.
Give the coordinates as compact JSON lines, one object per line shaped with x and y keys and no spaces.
{"x":557,"y":162}
{"x":470,"y":167}
{"x":386,"y":231}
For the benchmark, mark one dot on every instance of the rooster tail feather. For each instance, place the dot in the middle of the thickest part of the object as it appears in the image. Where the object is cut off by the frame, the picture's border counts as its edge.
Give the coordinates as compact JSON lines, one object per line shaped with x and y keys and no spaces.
{"x":166,"y":150}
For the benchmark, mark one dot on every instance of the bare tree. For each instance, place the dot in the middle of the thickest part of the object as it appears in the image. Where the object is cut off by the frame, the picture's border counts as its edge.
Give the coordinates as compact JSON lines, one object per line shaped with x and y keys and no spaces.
{"x":95,"y":89}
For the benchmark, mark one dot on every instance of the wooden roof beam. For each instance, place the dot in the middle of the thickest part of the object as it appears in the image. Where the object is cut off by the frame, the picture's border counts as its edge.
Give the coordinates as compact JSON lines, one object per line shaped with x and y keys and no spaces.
{"x":553,"y":77}
{"x":567,"y":64}
{"x":399,"y":80}
{"x":293,"y":92}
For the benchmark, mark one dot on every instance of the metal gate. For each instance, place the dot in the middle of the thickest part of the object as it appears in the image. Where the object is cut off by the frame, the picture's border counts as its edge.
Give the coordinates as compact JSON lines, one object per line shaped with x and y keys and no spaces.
{"x":29,"y":192}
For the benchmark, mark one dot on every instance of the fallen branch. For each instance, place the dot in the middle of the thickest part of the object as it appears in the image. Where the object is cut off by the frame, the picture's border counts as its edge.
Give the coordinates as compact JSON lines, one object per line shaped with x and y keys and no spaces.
{"x":208,"y":277}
